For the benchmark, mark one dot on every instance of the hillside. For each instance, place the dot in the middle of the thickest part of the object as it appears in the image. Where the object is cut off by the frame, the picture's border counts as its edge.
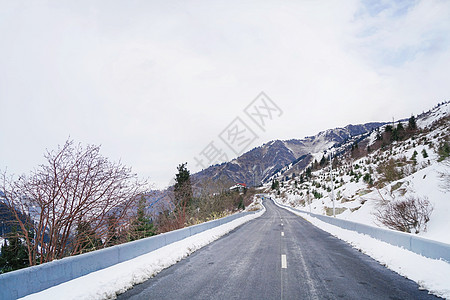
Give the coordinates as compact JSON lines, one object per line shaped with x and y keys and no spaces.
{"x":375,"y":172}
{"x":259,"y":164}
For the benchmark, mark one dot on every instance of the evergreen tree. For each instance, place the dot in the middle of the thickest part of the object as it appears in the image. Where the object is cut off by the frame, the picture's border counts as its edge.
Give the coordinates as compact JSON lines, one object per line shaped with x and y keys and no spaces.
{"x":308,"y":172}
{"x":14,"y":254}
{"x":412,"y":125}
{"x":414,"y":157}
{"x":315,"y":165}
{"x":142,"y":226}
{"x":443,"y":151}
{"x":275,"y":185}
{"x":183,"y":187}
{"x":398,"y":133}
{"x":241,"y":204}
{"x":379,"y":136}
{"x":323,"y":161}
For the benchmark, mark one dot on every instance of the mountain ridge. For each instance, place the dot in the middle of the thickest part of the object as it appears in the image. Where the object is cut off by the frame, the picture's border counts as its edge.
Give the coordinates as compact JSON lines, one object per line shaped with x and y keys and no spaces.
{"x":260,"y":163}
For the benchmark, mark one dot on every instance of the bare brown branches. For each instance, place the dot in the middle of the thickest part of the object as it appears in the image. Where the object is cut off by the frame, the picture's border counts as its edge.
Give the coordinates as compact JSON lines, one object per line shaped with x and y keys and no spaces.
{"x":77,"y":188}
{"x":405,"y":215}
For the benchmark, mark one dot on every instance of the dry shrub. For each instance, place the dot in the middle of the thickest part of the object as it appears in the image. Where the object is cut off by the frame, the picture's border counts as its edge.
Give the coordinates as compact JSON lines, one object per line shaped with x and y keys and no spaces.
{"x":389,"y":171}
{"x":407,"y":215}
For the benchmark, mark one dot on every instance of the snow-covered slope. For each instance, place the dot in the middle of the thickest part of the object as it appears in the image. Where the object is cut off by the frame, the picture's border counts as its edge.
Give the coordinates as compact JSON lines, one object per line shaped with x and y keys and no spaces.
{"x":366,"y":182}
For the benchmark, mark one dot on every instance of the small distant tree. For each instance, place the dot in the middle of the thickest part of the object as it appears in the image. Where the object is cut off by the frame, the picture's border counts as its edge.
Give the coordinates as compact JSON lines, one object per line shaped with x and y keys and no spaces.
{"x":368,"y":179}
{"x":308,"y":172}
{"x":13,"y":254}
{"x":412,"y":125}
{"x":424,"y":153}
{"x":183,"y":194}
{"x":443,"y":151}
{"x":142,"y":226}
{"x":323,"y":161}
{"x":315,"y":165}
{"x":414,"y":157}
{"x":302,"y":179}
{"x":241,"y":204}
{"x":379,"y":135}
{"x":275,"y":184}
{"x":389,"y":171}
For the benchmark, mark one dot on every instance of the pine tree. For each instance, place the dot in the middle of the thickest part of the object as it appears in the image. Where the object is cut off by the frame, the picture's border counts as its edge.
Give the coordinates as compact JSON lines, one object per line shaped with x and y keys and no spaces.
{"x":308,"y":172}
{"x":379,"y":136}
{"x":275,"y":185}
{"x":142,"y":226}
{"x":14,"y":254}
{"x":183,"y":187}
{"x":443,"y":151}
{"x":414,"y":157}
{"x":412,"y":125}
{"x":323,"y":161}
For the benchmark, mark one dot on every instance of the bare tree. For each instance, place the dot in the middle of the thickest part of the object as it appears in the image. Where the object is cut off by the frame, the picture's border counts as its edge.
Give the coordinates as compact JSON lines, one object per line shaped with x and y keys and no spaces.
{"x":70,"y":201}
{"x":406,"y":214}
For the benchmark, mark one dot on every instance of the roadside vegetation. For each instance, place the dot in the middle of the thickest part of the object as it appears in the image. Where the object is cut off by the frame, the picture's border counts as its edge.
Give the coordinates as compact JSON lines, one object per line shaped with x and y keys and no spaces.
{"x":374,"y":168}
{"x":80,"y":201}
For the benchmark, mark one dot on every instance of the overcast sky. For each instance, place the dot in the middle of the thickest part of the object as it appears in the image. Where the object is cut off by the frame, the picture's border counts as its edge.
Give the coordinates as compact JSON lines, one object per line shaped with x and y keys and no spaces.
{"x":155,"y":82}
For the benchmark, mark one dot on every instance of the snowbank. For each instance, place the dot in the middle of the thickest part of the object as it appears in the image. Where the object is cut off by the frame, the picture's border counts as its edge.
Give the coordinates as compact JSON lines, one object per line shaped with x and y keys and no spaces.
{"x":430,"y":274}
{"x":109,"y":282}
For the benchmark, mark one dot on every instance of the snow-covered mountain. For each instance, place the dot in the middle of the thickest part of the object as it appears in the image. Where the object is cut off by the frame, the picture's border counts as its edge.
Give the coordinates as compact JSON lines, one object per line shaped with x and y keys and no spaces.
{"x":259,"y":164}
{"x":373,"y":172}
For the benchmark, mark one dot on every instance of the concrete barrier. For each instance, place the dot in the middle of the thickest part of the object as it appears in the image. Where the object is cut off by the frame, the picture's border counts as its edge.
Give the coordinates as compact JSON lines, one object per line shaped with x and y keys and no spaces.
{"x":34,"y":279}
{"x":425,"y":247}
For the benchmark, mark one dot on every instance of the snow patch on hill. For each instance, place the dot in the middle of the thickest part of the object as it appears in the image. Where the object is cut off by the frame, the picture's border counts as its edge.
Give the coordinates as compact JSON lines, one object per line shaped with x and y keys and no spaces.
{"x":359,"y":187}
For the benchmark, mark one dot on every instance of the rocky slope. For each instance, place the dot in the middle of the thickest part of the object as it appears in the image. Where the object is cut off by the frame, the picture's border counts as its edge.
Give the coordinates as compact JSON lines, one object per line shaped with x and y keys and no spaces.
{"x":259,"y":164}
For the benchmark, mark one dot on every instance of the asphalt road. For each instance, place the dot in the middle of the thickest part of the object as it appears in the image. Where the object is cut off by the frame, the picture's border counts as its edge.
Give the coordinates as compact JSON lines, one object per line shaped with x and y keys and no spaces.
{"x":277,"y":256}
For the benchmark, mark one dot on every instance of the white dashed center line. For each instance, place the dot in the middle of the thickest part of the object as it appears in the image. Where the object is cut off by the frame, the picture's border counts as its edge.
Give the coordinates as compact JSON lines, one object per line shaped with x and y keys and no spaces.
{"x":283,"y":261}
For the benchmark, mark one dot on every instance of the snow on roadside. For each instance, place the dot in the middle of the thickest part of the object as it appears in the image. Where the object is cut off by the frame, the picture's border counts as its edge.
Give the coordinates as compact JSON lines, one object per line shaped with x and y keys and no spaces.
{"x":107,"y":283}
{"x":430,"y":274}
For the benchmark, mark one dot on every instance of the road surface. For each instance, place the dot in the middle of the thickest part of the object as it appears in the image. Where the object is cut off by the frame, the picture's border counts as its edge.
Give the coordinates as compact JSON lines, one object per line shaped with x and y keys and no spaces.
{"x":277,"y":256}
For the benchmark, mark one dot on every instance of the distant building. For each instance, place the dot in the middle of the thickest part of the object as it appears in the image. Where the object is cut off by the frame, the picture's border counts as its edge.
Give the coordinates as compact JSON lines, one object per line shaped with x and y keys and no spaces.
{"x":239,"y":187}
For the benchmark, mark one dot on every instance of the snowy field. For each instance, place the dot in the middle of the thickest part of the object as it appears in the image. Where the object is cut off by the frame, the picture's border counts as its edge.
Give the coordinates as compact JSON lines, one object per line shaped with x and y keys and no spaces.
{"x":430,"y":274}
{"x":107,"y":283}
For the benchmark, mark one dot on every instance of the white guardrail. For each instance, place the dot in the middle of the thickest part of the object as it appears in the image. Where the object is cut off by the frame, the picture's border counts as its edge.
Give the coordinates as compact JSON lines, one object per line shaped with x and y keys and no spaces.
{"x":34,"y":279}
{"x":425,"y":247}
